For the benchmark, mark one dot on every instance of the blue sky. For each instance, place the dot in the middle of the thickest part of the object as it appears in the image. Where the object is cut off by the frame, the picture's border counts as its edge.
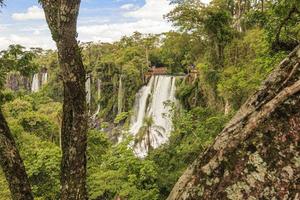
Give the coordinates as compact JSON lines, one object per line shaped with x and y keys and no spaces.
{"x":22,"y":21}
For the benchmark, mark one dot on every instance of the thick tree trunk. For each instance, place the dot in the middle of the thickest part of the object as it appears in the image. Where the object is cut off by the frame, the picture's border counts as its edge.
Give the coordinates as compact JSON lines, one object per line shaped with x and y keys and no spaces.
{"x":62,"y":20}
{"x":74,"y":125}
{"x":12,"y":164}
{"x":257,"y":155}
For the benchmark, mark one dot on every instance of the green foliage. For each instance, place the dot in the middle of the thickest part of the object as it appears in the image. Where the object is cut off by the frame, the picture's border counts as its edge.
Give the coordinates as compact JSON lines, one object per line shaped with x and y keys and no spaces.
{"x":122,"y":174}
{"x":6,"y":95}
{"x":43,"y":120}
{"x":42,"y":162}
{"x":283,"y":24}
{"x":4,"y":190}
{"x":36,"y":131}
{"x":54,"y":88}
{"x":127,"y":59}
{"x":229,"y":45}
{"x":254,"y":18}
{"x":249,"y":61}
{"x":121,"y":117}
{"x":176,"y":51}
{"x":41,"y":157}
{"x":18,"y":106}
{"x":211,"y":25}
{"x":40,"y":125}
{"x":217,"y":25}
{"x":186,"y":142}
{"x":16,"y":58}
{"x":187,"y":14}
{"x":98,"y":144}
{"x":184,"y":92}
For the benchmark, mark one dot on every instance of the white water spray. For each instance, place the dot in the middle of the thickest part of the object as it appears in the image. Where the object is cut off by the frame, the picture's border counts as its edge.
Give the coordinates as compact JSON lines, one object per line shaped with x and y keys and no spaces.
{"x":150,"y":103}
{"x":35,"y":86}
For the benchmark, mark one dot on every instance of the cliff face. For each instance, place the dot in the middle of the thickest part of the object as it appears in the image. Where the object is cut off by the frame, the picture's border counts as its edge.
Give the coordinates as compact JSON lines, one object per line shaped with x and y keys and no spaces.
{"x":257,"y":155}
{"x":15,"y":81}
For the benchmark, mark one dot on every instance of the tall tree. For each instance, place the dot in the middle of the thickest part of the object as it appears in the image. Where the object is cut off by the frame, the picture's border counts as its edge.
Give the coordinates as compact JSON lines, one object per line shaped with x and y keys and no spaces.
{"x":62,"y":17}
{"x":209,"y":23}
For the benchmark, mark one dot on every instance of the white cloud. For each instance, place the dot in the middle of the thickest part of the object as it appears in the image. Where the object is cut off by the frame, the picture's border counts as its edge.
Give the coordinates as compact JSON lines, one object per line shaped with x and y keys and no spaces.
{"x":153,"y":9}
{"x":43,"y":41}
{"x":4,"y":43}
{"x":146,"y":19}
{"x":113,"y":32}
{"x":33,"y":13}
{"x":129,"y":6}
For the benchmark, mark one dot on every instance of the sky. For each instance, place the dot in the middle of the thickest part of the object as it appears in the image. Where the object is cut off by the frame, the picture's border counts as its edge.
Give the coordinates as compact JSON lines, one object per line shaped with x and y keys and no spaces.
{"x":23,"y":22}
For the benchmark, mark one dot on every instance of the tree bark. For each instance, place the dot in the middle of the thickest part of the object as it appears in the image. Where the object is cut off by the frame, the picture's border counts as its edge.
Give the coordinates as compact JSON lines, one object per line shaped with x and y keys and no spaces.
{"x":255,"y":156}
{"x":62,"y":20}
{"x":12,"y":164}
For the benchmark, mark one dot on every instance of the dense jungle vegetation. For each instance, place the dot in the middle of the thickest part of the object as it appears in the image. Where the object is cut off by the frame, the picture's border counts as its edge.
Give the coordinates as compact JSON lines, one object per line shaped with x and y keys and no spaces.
{"x":232,"y":45}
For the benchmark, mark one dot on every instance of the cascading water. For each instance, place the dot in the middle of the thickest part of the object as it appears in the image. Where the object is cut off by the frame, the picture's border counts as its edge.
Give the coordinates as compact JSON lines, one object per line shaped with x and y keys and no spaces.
{"x":98,"y":96}
{"x":152,"y":115}
{"x":35,"y":86}
{"x":120,"y":95}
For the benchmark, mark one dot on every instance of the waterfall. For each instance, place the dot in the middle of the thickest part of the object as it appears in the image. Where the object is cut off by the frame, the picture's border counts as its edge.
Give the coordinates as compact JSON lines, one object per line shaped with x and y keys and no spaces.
{"x":44,"y":78}
{"x":150,"y":104}
{"x":35,"y":86}
{"x":120,"y":95}
{"x":88,"y":90}
{"x":98,"y":96}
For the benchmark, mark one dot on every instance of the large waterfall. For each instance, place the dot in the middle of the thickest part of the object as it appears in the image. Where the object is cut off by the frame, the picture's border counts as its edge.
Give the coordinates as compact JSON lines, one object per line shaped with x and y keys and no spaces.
{"x":151,"y":124}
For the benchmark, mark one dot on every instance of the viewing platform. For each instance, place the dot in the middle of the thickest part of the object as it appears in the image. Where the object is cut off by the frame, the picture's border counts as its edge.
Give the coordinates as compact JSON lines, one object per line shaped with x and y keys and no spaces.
{"x":156,"y":71}
{"x":193,"y":73}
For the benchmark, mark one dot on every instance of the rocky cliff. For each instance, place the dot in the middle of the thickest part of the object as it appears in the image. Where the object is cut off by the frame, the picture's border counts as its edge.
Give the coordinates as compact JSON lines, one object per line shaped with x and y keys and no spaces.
{"x":257,"y":155}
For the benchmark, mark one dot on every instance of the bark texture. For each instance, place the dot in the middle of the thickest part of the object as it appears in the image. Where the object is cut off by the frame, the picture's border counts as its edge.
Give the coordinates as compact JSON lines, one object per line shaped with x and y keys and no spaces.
{"x":257,"y":155}
{"x":62,"y":17}
{"x":12,"y":164}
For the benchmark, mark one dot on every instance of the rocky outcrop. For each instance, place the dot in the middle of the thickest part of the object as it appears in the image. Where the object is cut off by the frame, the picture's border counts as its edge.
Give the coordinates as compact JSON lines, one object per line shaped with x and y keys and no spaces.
{"x":257,"y":155}
{"x":15,"y":81}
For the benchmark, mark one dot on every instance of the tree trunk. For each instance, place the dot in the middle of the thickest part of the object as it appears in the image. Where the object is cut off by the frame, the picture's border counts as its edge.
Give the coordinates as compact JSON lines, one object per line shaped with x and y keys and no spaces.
{"x":12,"y":164}
{"x":62,"y":20}
{"x":257,"y":155}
